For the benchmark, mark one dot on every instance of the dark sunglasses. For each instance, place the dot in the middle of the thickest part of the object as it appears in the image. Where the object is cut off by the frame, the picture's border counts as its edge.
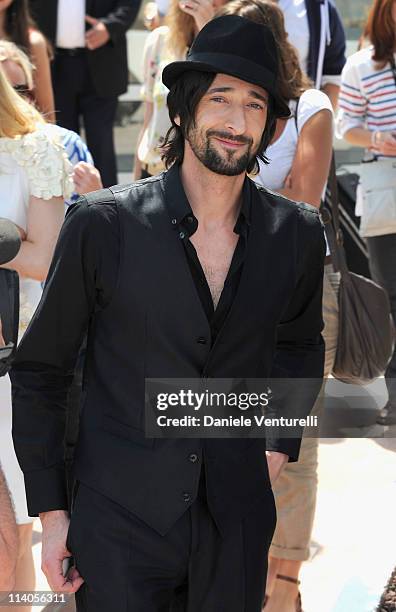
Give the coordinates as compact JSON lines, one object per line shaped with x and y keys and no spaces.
{"x":23,"y":91}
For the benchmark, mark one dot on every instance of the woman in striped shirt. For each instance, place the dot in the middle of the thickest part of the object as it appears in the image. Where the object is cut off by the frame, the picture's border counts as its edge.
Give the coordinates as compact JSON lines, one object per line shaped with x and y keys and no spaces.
{"x":367,"y":119}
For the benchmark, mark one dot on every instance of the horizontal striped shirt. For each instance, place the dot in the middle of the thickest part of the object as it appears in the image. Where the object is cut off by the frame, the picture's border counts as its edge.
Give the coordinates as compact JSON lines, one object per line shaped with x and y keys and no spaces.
{"x":367,"y":95}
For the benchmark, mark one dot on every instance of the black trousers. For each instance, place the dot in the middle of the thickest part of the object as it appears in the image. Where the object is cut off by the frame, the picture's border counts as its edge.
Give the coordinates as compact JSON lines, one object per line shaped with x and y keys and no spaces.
{"x":382,"y":261}
{"x":127,"y":566}
{"x":75,"y":98}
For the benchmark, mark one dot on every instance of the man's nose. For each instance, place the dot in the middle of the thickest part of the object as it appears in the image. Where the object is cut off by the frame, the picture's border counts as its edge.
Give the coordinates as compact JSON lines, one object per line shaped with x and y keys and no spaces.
{"x":236,"y":119}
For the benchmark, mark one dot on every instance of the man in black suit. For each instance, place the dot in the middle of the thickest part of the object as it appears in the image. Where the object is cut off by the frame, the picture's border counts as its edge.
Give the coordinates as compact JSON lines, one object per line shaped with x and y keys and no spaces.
{"x":196,"y":273}
{"x":89,"y":70}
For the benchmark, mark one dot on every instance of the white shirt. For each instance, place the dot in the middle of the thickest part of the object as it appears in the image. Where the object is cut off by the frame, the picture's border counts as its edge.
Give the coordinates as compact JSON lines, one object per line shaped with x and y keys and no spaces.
{"x":70,"y":31}
{"x":282,"y":152}
{"x":296,"y":26}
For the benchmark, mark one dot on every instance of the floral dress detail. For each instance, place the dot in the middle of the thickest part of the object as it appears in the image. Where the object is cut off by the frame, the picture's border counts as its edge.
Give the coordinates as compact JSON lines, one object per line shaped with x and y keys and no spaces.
{"x":31,"y":165}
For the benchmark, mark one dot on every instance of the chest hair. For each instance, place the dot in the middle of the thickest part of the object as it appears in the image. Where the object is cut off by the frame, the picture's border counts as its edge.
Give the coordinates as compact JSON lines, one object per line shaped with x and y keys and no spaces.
{"x":215,"y":257}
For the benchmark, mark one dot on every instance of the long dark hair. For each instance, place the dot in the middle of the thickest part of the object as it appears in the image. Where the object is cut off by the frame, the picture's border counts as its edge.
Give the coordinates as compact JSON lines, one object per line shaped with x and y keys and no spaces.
{"x":380,"y":30}
{"x":18,"y":21}
{"x":183,"y":99}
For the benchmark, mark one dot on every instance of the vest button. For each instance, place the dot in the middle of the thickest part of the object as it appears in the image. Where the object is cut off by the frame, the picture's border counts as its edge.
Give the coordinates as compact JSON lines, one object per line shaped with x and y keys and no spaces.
{"x":201,"y":340}
{"x":193,"y":458}
{"x":186,"y":497}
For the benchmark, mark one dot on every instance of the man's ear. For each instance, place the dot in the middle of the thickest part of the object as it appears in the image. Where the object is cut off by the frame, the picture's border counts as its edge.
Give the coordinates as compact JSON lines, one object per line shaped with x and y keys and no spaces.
{"x":177,"y":120}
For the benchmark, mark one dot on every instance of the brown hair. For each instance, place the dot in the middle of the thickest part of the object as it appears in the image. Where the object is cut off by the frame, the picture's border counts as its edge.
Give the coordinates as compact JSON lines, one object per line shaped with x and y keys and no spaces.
{"x":292,"y":81}
{"x":380,"y":30}
{"x":18,"y":22}
{"x":181,"y":29}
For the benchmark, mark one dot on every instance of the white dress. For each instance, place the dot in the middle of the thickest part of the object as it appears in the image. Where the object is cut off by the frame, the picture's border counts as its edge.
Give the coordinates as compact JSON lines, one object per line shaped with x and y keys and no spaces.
{"x":30,"y":165}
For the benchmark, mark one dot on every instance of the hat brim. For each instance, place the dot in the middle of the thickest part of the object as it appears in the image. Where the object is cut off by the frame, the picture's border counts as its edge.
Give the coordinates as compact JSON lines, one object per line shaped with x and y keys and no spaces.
{"x":239,"y":69}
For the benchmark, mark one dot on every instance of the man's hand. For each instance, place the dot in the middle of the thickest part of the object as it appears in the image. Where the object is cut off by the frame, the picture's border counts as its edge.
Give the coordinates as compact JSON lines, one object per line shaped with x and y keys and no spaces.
{"x":98,"y":35}
{"x":86,"y":178}
{"x":55,"y":527}
{"x":275,"y":462}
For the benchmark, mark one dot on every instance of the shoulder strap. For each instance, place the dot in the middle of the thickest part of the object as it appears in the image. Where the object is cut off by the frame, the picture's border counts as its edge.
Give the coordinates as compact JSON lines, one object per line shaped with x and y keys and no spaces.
{"x":332,"y":222}
{"x":296,"y":113}
{"x":393,"y":68}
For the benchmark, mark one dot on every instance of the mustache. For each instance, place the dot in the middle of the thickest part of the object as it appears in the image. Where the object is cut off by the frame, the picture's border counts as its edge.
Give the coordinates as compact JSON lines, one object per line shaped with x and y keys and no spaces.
{"x":230,"y":137}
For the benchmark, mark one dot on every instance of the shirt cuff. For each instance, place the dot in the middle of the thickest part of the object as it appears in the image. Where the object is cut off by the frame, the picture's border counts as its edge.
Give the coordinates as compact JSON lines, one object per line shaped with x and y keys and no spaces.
{"x":46,"y":490}
{"x":287,"y":446}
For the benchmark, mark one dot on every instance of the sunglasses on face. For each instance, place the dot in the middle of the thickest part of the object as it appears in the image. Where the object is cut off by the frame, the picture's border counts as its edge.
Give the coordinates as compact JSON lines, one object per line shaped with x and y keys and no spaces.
{"x":23,"y":91}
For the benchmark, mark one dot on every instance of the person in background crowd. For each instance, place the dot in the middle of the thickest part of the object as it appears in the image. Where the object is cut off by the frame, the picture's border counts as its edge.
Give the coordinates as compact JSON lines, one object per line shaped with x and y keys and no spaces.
{"x":164,"y":45}
{"x":367,"y":119}
{"x":8,"y":538}
{"x":35,"y":177}
{"x":315,"y":29}
{"x":90,"y":68}
{"x":19,"y":72}
{"x":299,"y":156}
{"x":17,"y":25}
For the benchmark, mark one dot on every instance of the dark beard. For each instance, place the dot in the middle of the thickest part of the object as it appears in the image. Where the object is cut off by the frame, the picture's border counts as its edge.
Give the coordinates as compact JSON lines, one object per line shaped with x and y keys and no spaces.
{"x":230,"y":164}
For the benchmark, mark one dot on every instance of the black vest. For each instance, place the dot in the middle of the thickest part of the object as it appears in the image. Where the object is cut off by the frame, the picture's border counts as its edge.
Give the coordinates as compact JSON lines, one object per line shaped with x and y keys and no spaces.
{"x":151,"y":329}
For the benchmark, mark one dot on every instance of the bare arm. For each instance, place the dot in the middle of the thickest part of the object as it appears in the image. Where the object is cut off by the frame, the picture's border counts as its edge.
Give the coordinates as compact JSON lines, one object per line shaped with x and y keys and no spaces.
{"x":379,"y":142}
{"x":42,"y":76}
{"x":311,"y":163}
{"x":332,"y":91}
{"x":8,"y":538}
{"x":45,"y":218}
{"x":148,"y":113}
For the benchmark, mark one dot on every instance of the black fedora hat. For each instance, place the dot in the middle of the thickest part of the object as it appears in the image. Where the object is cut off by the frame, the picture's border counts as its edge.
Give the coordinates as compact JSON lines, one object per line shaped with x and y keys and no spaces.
{"x":236,"y":46}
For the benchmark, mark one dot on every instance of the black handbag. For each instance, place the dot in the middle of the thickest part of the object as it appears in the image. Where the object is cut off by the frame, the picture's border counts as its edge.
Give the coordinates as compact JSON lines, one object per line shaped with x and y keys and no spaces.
{"x":366,"y":332}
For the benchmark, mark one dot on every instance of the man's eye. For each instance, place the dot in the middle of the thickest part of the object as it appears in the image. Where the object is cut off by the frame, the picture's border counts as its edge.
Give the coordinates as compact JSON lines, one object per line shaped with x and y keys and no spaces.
{"x":257,"y":106}
{"x":217,"y":99}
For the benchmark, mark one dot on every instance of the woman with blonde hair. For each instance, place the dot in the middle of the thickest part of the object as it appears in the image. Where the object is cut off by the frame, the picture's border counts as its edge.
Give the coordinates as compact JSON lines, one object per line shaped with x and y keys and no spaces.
{"x":34,"y":181}
{"x":19,"y":71}
{"x":165,"y":44}
{"x":17,"y":25}
{"x":299,"y":160}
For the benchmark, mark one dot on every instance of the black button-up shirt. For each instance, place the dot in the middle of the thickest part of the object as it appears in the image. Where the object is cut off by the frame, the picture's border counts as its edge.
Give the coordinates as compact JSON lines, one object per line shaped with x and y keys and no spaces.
{"x":186,"y":224}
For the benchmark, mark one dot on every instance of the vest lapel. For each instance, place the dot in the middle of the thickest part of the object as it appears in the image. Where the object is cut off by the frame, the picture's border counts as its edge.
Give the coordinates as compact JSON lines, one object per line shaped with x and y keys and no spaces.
{"x":263,"y":287}
{"x":170,"y":253}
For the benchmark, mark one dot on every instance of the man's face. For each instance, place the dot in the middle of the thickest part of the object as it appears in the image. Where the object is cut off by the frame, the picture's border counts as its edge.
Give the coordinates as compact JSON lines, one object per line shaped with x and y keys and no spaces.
{"x":229,"y":123}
